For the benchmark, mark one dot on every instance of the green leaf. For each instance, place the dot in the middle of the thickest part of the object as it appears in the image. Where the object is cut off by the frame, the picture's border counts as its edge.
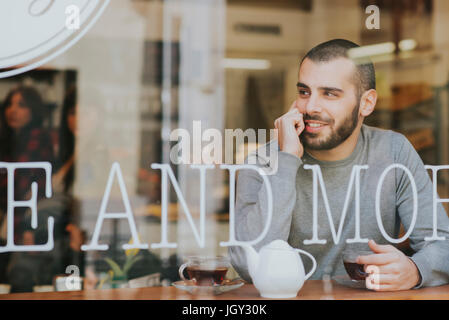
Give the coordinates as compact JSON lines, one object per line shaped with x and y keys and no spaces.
{"x":108,"y":277}
{"x":130,"y":262}
{"x":115,"y":267}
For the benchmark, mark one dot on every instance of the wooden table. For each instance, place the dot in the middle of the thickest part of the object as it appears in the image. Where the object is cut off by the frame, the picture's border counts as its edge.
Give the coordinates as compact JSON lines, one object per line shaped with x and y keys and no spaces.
{"x":312,"y":290}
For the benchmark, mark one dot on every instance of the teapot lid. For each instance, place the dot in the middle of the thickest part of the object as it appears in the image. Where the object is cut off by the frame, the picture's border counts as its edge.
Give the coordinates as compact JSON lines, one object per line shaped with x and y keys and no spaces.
{"x":279,"y":244}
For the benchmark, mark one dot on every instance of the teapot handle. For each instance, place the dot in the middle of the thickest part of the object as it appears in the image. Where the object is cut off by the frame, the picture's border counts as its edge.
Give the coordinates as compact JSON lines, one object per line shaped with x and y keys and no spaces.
{"x":313,"y":261}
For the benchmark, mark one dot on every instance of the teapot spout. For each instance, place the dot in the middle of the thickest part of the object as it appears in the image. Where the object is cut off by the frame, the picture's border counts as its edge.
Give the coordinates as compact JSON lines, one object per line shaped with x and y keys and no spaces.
{"x":252,"y":258}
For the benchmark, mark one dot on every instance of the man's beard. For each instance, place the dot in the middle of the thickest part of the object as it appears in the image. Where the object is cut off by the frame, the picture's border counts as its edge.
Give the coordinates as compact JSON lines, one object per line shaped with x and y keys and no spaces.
{"x":336,"y":137}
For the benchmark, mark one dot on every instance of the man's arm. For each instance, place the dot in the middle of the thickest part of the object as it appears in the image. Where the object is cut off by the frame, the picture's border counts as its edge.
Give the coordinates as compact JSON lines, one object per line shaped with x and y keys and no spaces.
{"x":431,"y":257}
{"x":389,"y":268}
{"x":251,"y":207}
{"x":251,"y":203}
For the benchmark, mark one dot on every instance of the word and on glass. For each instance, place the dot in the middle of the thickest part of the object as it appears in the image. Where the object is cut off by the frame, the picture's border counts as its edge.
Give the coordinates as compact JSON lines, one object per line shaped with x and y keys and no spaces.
{"x":167,"y":174}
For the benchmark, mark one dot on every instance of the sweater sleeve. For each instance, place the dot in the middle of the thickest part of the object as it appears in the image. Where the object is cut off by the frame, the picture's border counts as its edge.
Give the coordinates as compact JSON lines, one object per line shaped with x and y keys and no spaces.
{"x":431,"y":257}
{"x":251,"y":208}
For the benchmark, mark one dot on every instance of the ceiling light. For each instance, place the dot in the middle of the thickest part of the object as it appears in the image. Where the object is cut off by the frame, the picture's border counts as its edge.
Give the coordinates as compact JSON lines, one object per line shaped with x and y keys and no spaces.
{"x":407,"y":45}
{"x":372,"y":50}
{"x":253,"y":64}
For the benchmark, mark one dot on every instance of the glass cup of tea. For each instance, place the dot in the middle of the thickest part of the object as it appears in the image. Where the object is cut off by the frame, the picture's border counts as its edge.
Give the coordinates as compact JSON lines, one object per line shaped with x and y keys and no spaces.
{"x":205,"y":271}
{"x":355,"y":271}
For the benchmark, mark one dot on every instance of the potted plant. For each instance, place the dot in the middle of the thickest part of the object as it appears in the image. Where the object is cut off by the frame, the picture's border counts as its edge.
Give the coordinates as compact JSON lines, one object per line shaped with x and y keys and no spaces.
{"x":118,"y":276}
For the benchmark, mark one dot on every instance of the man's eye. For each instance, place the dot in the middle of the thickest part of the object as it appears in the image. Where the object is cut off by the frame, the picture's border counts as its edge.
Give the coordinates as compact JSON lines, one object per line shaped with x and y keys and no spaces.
{"x":303,"y":92}
{"x":329,"y":94}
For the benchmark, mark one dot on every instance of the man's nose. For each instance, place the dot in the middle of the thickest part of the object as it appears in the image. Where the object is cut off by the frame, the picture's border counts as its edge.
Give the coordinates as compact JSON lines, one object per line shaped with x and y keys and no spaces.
{"x":313,"y":105}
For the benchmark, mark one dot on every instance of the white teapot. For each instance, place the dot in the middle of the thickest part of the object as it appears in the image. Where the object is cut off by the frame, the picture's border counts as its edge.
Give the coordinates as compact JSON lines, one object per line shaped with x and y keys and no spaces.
{"x":277,"y":270}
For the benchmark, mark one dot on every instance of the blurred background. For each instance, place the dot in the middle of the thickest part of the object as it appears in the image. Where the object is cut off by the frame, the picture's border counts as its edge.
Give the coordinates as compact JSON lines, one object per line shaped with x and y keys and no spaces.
{"x":148,"y":67}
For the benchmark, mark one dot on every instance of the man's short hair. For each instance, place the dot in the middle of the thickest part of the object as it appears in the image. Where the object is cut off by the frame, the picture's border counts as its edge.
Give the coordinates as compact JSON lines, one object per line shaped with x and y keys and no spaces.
{"x":365,"y":77}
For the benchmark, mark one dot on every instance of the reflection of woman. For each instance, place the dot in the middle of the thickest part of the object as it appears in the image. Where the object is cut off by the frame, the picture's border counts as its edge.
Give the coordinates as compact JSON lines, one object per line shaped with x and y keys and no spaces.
{"x":63,"y":206}
{"x":22,"y":139}
{"x":64,"y":177}
{"x":43,"y":266}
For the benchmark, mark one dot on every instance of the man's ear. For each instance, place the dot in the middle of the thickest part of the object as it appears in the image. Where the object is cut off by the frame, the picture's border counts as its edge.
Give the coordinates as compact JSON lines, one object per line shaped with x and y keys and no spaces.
{"x":368,"y":102}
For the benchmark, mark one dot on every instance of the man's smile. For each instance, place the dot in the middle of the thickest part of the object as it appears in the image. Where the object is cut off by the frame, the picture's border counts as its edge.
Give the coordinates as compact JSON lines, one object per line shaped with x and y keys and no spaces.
{"x":313,"y":126}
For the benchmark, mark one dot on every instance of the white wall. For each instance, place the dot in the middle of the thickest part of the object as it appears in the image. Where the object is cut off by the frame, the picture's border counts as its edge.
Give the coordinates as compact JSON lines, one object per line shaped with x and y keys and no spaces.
{"x":108,"y":60}
{"x":300,"y":31}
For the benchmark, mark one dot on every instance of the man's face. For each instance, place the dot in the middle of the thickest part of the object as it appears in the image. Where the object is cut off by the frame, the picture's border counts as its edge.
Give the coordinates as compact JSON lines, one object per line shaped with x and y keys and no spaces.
{"x":329,"y":101}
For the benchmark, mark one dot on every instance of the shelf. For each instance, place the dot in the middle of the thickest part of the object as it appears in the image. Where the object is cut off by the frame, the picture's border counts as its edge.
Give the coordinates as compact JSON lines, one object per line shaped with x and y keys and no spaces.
{"x":153,"y":212}
{"x":422,"y":139}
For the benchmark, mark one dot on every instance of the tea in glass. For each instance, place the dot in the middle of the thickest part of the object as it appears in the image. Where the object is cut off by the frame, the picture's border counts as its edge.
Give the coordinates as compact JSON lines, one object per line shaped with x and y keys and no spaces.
{"x":205,"y":271}
{"x":355,"y":271}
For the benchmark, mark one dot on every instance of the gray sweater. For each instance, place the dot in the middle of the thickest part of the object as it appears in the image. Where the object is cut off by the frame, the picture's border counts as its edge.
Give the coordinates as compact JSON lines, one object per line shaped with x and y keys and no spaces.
{"x":293,"y":206}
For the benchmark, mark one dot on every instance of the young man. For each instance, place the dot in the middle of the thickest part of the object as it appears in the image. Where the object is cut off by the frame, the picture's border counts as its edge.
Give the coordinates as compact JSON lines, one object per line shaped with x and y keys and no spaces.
{"x":324,"y":127}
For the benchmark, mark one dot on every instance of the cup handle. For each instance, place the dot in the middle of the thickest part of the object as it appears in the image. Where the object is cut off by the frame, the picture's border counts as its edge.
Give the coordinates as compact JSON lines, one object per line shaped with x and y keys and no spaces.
{"x":181,"y":271}
{"x":313,"y":261}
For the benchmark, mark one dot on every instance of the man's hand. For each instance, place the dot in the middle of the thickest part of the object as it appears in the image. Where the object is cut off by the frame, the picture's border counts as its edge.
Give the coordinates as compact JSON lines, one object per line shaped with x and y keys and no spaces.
{"x":290,"y":126}
{"x":389,"y":268}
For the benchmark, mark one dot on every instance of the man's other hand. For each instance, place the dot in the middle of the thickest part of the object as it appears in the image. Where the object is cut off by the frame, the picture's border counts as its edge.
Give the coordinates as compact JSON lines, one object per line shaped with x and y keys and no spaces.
{"x":389,"y":269}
